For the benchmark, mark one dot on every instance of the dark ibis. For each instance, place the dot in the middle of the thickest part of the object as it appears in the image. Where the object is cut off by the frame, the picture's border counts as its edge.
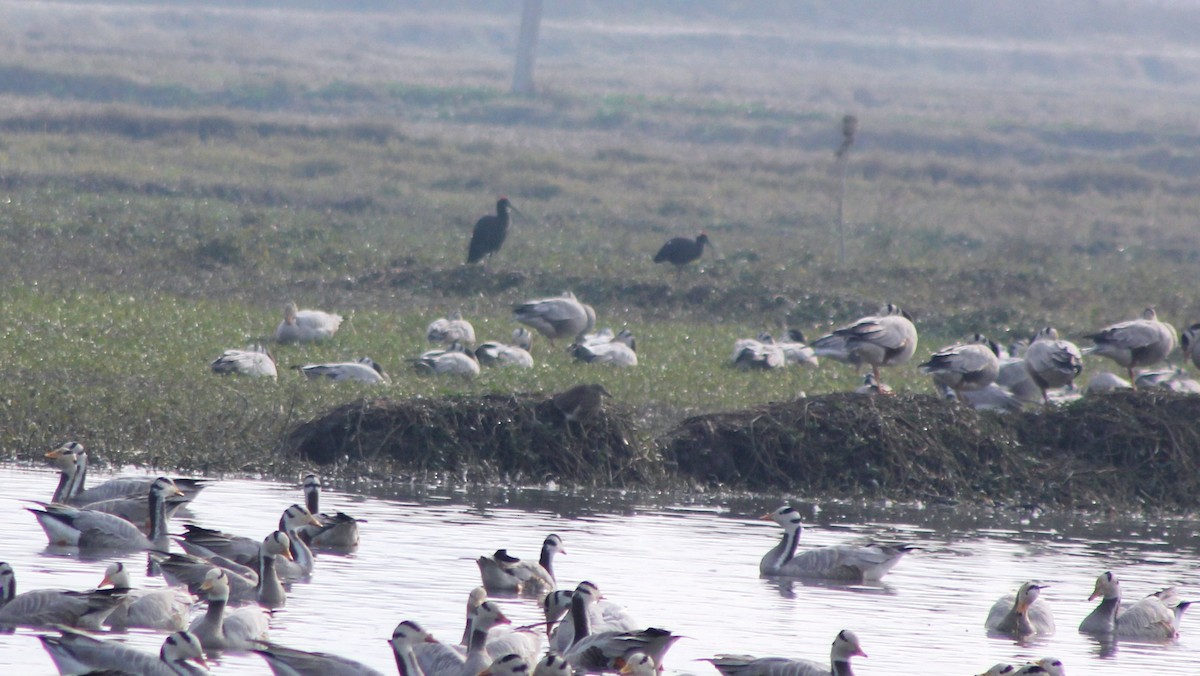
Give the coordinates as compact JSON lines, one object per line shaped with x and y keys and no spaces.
{"x":679,"y":251}
{"x":490,"y":231}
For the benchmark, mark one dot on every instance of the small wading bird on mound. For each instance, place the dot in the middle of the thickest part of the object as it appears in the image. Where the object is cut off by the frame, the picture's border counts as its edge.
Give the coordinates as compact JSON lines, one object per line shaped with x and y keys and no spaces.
{"x":490,"y":231}
{"x":679,"y":251}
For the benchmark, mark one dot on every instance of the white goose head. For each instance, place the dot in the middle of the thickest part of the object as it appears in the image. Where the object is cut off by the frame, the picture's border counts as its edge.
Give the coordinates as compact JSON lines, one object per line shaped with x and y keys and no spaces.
{"x":116,"y":575}
{"x":408,"y":634}
{"x":638,"y":664}
{"x":845,"y":646}
{"x":180,"y":647}
{"x":552,"y":665}
{"x":511,"y":664}
{"x":216,"y":584}
{"x":787,"y":517}
{"x":1107,"y":587}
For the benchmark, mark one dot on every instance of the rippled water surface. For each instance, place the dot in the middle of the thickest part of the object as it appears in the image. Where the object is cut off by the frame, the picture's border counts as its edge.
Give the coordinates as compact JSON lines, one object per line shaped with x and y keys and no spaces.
{"x":692,"y":569}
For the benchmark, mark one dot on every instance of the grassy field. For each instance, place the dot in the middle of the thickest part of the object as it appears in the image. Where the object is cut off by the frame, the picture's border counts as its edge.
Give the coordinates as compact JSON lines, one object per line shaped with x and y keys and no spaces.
{"x":162,"y":202}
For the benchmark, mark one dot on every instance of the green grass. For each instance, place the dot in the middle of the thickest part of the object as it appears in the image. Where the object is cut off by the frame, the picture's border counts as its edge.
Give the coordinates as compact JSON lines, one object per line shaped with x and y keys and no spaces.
{"x":162,"y":204}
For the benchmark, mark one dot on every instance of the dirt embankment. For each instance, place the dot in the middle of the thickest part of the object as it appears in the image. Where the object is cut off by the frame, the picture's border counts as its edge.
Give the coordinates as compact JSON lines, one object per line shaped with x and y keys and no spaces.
{"x":1126,"y":449}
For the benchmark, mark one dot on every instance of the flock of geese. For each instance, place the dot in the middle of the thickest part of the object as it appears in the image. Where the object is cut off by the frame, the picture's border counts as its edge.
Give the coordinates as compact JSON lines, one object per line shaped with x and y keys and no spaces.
{"x":977,"y":372}
{"x":241,"y":579}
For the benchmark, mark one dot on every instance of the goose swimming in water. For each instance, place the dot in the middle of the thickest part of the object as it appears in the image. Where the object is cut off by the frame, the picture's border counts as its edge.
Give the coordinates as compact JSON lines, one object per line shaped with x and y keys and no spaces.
{"x":886,"y":339}
{"x":306,"y":326}
{"x":76,"y":653}
{"x":1137,"y":342}
{"x":1022,"y":614}
{"x":869,"y":562}
{"x":219,"y":630}
{"x":337,"y":532}
{"x":603,"y":615}
{"x":444,"y":660}
{"x":52,"y":607}
{"x":286,"y":661}
{"x":552,"y":665}
{"x":166,"y":609}
{"x":254,"y":361}
{"x":845,"y":646}
{"x":206,"y":542}
{"x":93,"y":530}
{"x":501,"y":573}
{"x":607,"y":650}
{"x":72,"y":460}
{"x":1154,"y":617}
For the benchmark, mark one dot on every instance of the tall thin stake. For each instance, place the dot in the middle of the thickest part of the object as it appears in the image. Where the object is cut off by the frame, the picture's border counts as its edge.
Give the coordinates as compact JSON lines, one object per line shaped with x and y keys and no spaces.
{"x":849,"y":129}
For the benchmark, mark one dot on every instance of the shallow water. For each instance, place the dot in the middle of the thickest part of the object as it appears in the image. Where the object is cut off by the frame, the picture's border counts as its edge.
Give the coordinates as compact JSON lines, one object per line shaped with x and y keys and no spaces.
{"x":692,"y":569}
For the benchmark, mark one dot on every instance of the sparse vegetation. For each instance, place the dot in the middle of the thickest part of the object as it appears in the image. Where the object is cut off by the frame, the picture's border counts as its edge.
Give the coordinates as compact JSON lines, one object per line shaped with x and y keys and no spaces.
{"x":163,"y":202}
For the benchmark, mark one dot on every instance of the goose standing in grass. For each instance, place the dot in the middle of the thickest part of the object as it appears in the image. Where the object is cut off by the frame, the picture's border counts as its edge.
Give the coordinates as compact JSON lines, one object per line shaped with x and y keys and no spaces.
{"x":1051,"y":362}
{"x":1155,"y":617}
{"x":1137,"y":342}
{"x":337,"y":532}
{"x":620,"y":351}
{"x":452,"y":329}
{"x":76,"y":653}
{"x":1189,"y":342}
{"x":72,"y":460}
{"x":306,"y":326}
{"x":845,"y":646}
{"x":603,"y":615}
{"x":517,"y":354}
{"x":608,"y":650}
{"x":1022,"y":614}
{"x":286,"y":661}
{"x":504,"y":574}
{"x":886,"y":339}
{"x":52,"y":607}
{"x":679,"y":251}
{"x":92,"y":530}
{"x":453,"y":361}
{"x":206,"y":542}
{"x":405,"y":637}
{"x":159,"y":609}
{"x":965,"y":367}
{"x":219,"y":630}
{"x":869,"y":562}
{"x":580,"y":403}
{"x":554,"y":318}
{"x":364,"y":370}
{"x":489,"y":232}
{"x":253,"y":361}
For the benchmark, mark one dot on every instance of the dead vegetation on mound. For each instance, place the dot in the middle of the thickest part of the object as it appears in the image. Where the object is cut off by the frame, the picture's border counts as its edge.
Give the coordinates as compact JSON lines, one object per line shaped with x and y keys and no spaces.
{"x":521,"y":438}
{"x":1125,"y":448}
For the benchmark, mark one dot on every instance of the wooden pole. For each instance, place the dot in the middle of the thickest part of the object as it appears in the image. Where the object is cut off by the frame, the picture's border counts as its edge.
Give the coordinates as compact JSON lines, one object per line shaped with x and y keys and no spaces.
{"x":849,"y":130}
{"x":531,"y":21}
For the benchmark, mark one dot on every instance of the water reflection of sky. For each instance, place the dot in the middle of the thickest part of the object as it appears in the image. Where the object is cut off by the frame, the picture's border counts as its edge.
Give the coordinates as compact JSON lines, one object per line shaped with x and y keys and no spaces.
{"x":679,"y":562}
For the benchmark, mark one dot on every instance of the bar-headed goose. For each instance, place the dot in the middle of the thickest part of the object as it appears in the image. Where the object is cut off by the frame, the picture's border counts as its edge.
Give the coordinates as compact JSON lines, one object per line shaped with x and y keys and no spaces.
{"x":797,"y":351}
{"x":453,"y":329}
{"x":254,"y":361}
{"x":51,"y":607}
{"x":620,"y":351}
{"x":405,"y":637}
{"x":1000,"y":669}
{"x":1137,"y":342}
{"x":165,"y":609}
{"x":1154,"y":617}
{"x":337,"y":532}
{"x":869,"y":562}
{"x":1189,"y":342}
{"x":502,"y":638}
{"x":364,"y":370}
{"x":89,"y":529}
{"x":306,"y":326}
{"x":516,"y":354}
{"x":205,"y":542}
{"x":965,"y":366}
{"x":845,"y":646}
{"x":886,"y":339}
{"x":438,"y":658}
{"x":552,"y":665}
{"x":75,"y":653}
{"x":452,"y":361}
{"x":554,"y":318}
{"x":603,"y":615}
{"x":1022,"y":614}
{"x":72,"y":460}
{"x":1047,"y":666}
{"x":511,"y":664}
{"x":286,"y":661}
{"x":188,"y":570}
{"x":220,"y":630}
{"x":1051,"y":362}
{"x":639,"y":664}
{"x":502,"y":573}
{"x":608,"y":650}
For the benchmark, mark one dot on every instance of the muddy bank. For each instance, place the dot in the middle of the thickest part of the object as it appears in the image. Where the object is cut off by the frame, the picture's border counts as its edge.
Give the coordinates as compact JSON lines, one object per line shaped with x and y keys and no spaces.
{"x":1135,"y":449}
